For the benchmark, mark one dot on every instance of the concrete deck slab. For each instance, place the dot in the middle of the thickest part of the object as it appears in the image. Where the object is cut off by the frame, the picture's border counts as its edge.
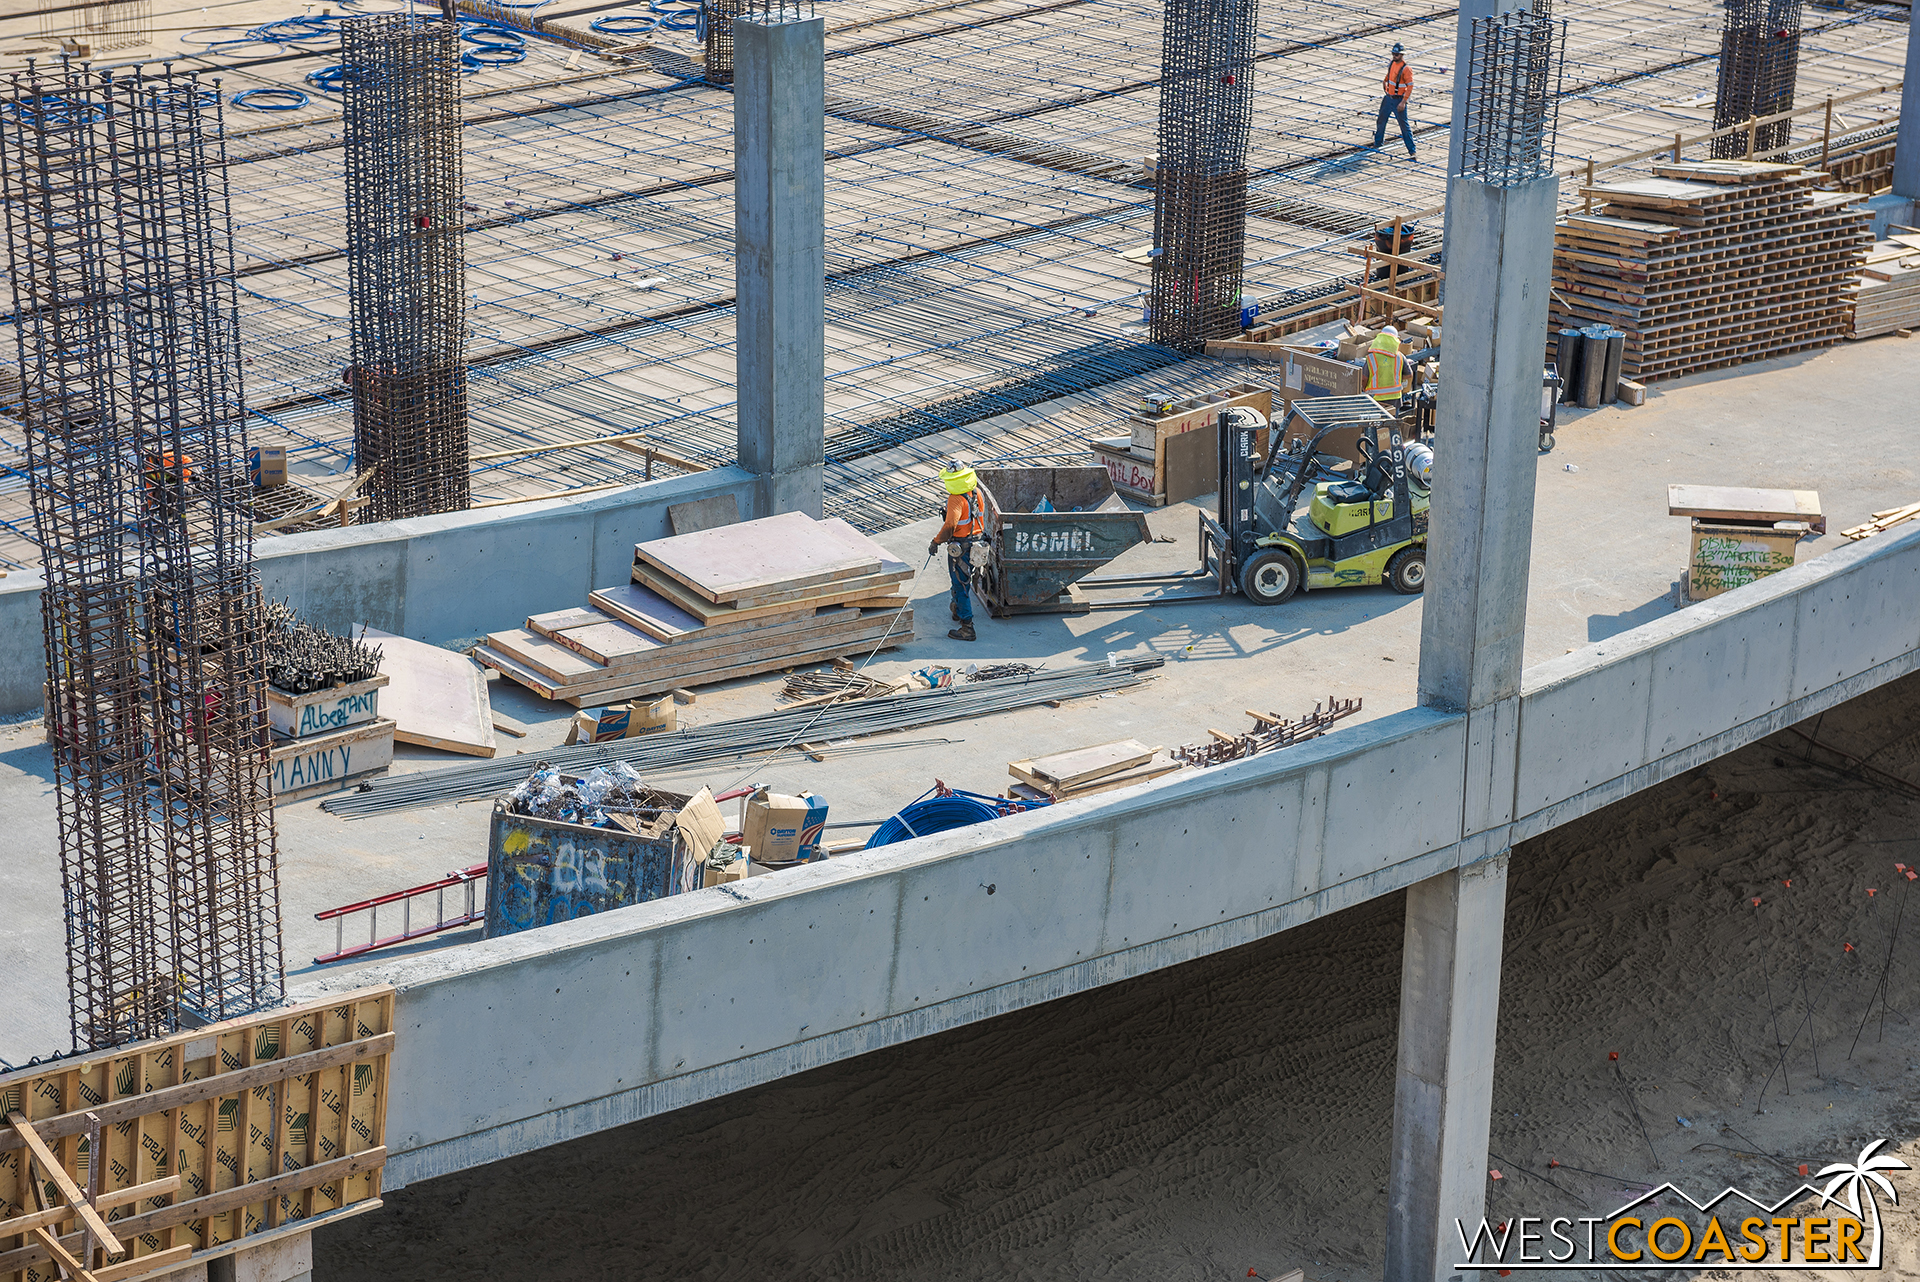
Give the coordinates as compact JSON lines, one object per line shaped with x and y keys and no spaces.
{"x":1606,"y":558}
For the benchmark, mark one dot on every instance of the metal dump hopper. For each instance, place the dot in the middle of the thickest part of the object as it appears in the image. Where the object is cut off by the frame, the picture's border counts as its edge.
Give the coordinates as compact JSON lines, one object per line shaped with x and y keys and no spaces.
{"x":1038,"y":554}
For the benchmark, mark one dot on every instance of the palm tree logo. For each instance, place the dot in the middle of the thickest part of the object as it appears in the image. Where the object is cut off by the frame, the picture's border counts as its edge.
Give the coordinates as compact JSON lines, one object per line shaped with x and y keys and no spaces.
{"x":1863,"y":1173}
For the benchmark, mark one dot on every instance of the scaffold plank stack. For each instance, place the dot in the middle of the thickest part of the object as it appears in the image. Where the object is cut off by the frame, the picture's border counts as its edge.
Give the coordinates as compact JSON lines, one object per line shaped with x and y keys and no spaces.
{"x":406,"y":274}
{"x":1711,"y":263}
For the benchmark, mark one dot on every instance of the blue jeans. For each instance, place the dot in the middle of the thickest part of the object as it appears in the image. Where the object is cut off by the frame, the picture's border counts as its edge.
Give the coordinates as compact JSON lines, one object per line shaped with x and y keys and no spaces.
{"x":1391,"y":105}
{"x":959,"y":574}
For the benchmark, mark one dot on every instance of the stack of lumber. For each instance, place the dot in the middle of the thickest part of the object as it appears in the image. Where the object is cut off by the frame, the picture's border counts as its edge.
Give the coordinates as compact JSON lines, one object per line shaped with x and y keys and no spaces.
{"x":1711,"y":263}
{"x":1083,"y":772}
{"x":1883,"y":521}
{"x":714,"y":605}
{"x":1889,"y":297}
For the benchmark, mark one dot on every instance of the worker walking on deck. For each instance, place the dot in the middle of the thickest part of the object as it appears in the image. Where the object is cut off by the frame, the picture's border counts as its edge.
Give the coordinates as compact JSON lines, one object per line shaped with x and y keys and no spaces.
{"x":1396,"y":88}
{"x":966,"y":523}
{"x":1386,"y":368}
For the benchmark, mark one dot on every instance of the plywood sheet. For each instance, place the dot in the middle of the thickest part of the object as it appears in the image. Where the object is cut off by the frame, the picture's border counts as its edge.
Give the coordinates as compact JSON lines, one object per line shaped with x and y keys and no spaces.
{"x":791,"y":550}
{"x":436,"y":698}
{"x":829,"y":594}
{"x":1738,"y":503}
{"x":1083,"y":765}
{"x":558,"y":621}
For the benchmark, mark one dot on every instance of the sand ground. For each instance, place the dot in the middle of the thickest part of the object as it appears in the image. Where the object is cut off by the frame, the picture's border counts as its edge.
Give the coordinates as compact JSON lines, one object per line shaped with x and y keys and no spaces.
{"x":1235,"y":1112}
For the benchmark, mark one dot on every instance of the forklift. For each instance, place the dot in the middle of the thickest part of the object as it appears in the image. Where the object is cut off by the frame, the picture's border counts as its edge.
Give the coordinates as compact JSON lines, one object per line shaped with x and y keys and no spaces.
{"x":1362,"y":526}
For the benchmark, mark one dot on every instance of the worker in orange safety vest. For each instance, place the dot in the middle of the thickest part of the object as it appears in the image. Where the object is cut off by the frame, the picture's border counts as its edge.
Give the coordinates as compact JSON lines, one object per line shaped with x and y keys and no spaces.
{"x":1396,"y":87}
{"x":1386,"y":368}
{"x":965,"y":525}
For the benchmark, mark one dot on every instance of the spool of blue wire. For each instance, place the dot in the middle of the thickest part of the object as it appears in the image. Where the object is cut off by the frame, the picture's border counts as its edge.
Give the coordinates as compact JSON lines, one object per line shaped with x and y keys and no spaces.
{"x":329,"y":79}
{"x":270,"y":99}
{"x":482,"y":56}
{"x":633,"y":24}
{"x":934,"y":813}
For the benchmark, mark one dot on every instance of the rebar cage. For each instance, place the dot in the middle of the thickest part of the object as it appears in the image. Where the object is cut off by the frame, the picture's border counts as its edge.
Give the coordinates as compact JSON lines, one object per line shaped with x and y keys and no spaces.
{"x":1200,"y":187}
{"x":119,"y":233}
{"x":1513,"y":97}
{"x":1759,"y":65}
{"x":405,"y":270}
{"x":716,"y":18}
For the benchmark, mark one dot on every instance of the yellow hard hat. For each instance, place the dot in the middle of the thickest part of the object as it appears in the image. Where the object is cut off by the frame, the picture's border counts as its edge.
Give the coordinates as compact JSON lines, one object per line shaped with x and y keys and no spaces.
{"x":958,"y":477}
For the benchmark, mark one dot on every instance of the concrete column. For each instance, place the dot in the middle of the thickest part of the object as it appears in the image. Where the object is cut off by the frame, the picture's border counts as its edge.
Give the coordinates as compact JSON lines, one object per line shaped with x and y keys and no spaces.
{"x":1456,"y":132}
{"x":1906,"y":152}
{"x":780,"y":265}
{"x":1449,"y":1007}
{"x":1472,"y":634}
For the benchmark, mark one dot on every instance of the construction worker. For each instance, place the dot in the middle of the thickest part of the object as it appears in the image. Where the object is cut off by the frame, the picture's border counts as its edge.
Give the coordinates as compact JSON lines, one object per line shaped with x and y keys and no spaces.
{"x":1386,"y":368}
{"x":1396,"y":88}
{"x":966,"y":523}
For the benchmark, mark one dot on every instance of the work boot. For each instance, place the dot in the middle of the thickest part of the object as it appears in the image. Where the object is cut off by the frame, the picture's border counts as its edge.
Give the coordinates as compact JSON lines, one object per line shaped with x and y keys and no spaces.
{"x":962,"y":633}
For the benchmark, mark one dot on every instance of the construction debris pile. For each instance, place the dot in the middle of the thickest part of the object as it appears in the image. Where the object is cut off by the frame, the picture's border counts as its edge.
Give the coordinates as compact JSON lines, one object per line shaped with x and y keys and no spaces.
{"x":604,"y":797}
{"x":303,"y":658}
{"x":714,"y":605}
{"x":1711,"y":263}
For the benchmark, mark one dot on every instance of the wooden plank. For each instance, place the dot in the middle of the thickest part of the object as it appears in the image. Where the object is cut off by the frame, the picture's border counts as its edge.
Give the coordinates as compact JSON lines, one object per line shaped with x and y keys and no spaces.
{"x":321,"y":763}
{"x":828,"y":594}
{"x":57,"y":1172}
{"x":566,"y":665}
{"x":560,"y":620}
{"x":1738,"y":503}
{"x":1082,"y":765}
{"x":709,"y":513}
{"x":790,"y":550}
{"x":118,"y":1197}
{"x":436,"y":698}
{"x":142,"y":1265}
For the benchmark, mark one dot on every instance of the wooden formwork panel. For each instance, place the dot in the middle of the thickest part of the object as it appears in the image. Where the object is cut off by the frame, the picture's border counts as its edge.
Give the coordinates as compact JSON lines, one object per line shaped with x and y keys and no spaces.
{"x":245,"y":1127}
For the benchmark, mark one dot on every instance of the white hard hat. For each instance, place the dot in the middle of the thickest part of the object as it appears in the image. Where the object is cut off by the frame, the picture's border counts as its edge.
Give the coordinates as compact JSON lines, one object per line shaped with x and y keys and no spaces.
{"x":1390,"y":331}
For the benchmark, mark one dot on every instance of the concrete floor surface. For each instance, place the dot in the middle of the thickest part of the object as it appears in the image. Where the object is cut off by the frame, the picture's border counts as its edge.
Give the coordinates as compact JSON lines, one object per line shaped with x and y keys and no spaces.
{"x":1607,"y":557}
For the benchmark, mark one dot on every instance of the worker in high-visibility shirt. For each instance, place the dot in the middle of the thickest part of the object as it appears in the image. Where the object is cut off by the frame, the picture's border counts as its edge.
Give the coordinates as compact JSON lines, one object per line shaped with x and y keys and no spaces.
{"x":1396,"y":87}
{"x":965,"y":525}
{"x":1386,"y":368}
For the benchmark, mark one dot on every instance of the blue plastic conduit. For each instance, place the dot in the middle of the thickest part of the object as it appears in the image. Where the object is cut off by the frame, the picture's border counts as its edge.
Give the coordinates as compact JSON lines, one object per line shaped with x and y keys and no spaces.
{"x":942,"y":810}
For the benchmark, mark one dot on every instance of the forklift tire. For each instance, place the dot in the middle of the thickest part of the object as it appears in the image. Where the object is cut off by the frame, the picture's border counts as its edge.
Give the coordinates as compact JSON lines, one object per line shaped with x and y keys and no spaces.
{"x":1269,"y":577}
{"x":1407,"y":572}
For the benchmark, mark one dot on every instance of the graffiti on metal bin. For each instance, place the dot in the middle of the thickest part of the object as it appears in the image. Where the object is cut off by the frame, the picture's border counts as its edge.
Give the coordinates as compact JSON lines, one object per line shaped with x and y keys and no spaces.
{"x":1069,"y":540}
{"x":541,"y":876}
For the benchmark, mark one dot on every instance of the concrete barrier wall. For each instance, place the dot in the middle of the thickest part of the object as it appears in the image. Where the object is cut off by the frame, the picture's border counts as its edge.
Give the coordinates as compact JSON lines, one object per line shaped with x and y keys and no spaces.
{"x":433,"y":578}
{"x":512,"y":1044}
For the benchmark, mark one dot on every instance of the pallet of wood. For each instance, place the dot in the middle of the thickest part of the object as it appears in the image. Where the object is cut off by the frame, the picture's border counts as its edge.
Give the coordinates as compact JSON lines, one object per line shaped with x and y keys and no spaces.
{"x":714,"y":605}
{"x":1889,"y":297}
{"x":1160,"y":461}
{"x":1711,"y":263}
{"x":1082,"y":772}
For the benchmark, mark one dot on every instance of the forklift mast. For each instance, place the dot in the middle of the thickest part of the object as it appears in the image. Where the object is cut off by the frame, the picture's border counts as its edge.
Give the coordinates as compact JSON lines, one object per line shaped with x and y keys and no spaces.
{"x":1239,"y":448}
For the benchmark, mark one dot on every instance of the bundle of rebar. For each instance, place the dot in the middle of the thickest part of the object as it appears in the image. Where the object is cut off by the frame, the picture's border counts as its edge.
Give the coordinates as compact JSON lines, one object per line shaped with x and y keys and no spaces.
{"x":119,"y":236}
{"x":1268,"y":733}
{"x":1200,"y":185}
{"x":405,"y":271}
{"x":1513,"y":97}
{"x":301,"y":658}
{"x":748,"y":736}
{"x":851,"y":685}
{"x":1759,"y":65}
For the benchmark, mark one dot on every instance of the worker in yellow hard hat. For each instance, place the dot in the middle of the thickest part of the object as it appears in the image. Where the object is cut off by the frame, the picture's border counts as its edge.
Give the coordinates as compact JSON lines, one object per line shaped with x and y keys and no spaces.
{"x":966,"y":524}
{"x":1386,"y":368}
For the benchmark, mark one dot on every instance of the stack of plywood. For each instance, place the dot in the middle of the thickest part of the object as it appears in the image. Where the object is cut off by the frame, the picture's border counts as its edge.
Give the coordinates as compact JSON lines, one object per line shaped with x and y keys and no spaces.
{"x":1711,"y":263}
{"x":710,"y":606}
{"x":1083,"y":772}
{"x":1889,"y":297}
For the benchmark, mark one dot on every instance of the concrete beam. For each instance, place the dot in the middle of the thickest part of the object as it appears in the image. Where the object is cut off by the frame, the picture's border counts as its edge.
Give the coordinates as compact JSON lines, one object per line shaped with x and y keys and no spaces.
{"x":1449,"y":1013}
{"x":780,"y":262}
{"x":1906,"y":150}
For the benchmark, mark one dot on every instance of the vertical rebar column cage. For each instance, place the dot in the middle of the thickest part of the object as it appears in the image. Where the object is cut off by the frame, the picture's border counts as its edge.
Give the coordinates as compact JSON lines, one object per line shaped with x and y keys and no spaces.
{"x":716,"y":20}
{"x":1513,"y":98}
{"x":1200,"y":187}
{"x":204,"y":646}
{"x":56,"y":131}
{"x":772,"y":11}
{"x":1759,"y":68}
{"x":405,"y":270}
{"x":105,"y":25}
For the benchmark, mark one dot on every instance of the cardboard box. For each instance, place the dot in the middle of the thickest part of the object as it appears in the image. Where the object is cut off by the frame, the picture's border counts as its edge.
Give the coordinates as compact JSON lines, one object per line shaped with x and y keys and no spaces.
{"x":735,"y":871}
{"x":266,"y":466}
{"x":1314,"y":374}
{"x":623,"y":721}
{"x":1731,"y":554}
{"x":780,"y":829}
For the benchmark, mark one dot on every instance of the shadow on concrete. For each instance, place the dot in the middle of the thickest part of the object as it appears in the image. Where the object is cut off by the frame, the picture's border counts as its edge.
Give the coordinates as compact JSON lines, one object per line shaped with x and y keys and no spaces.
{"x":1602,"y":626}
{"x":34,"y":759}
